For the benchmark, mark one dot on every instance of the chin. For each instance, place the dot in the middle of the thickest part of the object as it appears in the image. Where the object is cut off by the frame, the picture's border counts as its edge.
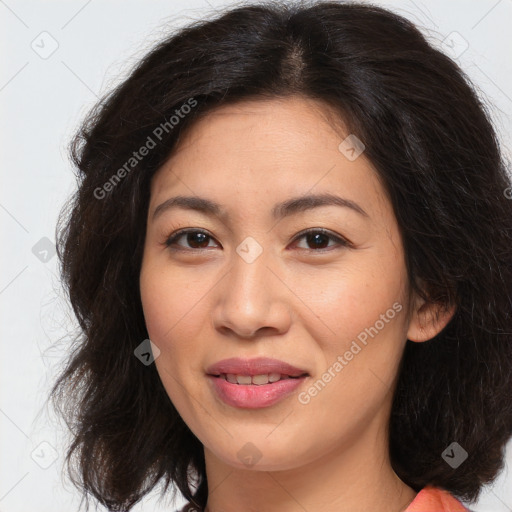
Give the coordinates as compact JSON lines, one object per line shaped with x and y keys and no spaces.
{"x":259,"y":453}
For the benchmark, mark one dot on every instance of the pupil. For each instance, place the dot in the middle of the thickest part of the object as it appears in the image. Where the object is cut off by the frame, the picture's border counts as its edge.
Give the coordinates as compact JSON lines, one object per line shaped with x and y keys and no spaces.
{"x":197,"y":239}
{"x":316,"y":239}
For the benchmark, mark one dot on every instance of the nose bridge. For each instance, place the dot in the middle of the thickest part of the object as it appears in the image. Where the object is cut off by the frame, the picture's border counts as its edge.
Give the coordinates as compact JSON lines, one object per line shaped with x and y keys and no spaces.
{"x":250,"y":277}
{"x":250,"y":298}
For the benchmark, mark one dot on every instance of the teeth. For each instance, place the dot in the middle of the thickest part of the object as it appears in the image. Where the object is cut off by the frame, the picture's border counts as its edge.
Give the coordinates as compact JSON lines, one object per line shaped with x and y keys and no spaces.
{"x":258,"y":380}
{"x":231,"y":378}
{"x":243,"y":379}
{"x":274,"y":377}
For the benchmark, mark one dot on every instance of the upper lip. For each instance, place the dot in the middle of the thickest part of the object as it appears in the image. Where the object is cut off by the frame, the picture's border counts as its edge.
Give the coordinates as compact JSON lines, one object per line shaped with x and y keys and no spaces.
{"x":256,"y":366}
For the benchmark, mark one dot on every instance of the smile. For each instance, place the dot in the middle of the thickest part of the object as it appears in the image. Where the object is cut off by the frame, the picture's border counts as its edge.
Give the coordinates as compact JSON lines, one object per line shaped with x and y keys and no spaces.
{"x":257,"y":380}
{"x":253,"y":392}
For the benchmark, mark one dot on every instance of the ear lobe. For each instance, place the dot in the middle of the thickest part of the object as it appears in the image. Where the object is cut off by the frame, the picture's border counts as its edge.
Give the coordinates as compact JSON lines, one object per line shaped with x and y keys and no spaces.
{"x":428,"y":319}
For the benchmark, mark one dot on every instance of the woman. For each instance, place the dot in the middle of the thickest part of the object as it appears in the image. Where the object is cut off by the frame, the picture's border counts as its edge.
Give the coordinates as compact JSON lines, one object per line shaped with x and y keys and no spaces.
{"x":290,"y":256}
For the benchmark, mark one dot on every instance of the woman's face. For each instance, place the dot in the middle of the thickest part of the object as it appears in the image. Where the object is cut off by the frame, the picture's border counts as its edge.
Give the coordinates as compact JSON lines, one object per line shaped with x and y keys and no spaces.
{"x":247,"y":283}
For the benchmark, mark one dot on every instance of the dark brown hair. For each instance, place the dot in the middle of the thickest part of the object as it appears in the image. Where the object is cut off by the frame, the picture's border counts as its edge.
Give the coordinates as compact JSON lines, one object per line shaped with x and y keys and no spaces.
{"x":431,"y":139}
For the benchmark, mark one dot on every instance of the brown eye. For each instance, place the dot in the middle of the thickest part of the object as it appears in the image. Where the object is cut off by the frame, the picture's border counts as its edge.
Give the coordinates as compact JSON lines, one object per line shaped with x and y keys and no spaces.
{"x":318,"y":239}
{"x":195,"y":238}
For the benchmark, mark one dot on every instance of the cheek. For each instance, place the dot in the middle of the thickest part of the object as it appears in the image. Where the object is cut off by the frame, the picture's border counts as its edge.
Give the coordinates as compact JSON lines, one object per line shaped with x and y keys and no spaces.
{"x":165,"y":297}
{"x":359,"y":316}
{"x":175,"y":310}
{"x":157,"y":303}
{"x":351,"y":297}
{"x":170,"y":312}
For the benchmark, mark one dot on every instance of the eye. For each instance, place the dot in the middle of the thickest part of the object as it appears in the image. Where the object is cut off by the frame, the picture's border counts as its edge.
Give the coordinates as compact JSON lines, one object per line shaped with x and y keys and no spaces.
{"x":318,"y":239}
{"x":196,"y":238}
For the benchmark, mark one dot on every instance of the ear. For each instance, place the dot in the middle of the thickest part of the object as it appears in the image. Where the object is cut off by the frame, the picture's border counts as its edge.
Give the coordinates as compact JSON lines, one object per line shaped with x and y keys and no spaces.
{"x":428,"y":319}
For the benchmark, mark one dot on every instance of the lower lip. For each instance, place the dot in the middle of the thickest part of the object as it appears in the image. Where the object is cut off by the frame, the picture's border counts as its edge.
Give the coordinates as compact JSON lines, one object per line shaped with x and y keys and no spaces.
{"x":253,"y":396}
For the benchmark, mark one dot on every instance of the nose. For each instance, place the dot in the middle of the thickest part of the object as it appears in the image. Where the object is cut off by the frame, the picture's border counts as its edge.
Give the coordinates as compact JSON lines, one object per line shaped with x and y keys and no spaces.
{"x":252,"y":300}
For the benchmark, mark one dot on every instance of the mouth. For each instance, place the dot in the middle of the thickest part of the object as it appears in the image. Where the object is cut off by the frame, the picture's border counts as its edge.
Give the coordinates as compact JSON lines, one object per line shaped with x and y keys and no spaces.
{"x":259,"y":367}
{"x":256,"y":380}
{"x":254,"y":383}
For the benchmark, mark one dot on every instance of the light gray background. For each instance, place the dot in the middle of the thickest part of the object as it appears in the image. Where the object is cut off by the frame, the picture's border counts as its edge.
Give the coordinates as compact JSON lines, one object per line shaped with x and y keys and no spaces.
{"x":42,"y":101}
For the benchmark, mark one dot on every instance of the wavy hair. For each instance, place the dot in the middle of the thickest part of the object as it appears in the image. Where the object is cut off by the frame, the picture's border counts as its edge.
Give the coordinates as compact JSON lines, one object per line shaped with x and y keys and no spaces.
{"x":431,"y":139}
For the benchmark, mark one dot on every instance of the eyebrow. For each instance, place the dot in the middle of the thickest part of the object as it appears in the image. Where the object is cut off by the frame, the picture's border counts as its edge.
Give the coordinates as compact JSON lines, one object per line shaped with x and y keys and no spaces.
{"x":279,"y":211}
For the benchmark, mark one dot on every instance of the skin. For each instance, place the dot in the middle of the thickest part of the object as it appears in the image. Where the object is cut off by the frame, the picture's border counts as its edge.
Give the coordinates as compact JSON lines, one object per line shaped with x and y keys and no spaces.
{"x":295,"y":302}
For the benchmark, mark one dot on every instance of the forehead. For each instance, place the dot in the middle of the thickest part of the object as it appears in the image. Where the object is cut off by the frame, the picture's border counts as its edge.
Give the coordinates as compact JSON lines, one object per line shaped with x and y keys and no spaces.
{"x":284,"y":123}
{"x":263,"y":147}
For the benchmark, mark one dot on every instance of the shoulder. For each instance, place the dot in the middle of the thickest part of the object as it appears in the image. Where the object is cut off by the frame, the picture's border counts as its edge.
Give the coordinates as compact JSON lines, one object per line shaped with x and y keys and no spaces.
{"x":434,"y":499}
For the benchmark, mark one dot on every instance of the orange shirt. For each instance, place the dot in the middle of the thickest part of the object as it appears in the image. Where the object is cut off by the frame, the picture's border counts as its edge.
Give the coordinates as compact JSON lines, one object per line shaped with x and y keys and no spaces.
{"x":433,"y":499}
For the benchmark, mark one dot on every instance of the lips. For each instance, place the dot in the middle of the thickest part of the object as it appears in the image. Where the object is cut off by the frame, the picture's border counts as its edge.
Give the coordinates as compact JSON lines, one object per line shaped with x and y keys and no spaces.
{"x":252,"y":367}
{"x":254,"y":383}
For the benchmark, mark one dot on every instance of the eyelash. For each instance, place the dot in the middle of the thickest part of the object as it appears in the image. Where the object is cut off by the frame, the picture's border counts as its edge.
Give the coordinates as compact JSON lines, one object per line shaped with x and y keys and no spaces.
{"x":343,"y":242}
